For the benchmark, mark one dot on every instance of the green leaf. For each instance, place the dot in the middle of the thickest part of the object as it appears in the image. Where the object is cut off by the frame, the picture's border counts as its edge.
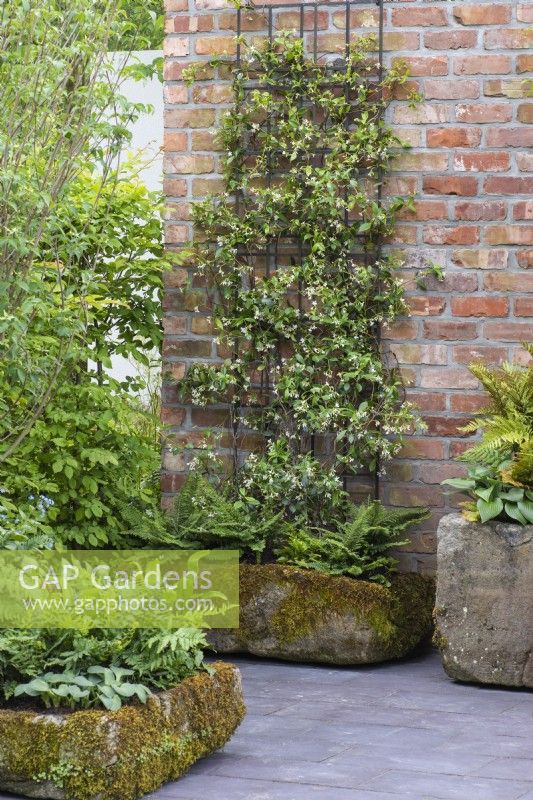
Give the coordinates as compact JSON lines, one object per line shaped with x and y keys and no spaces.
{"x":489,"y":510}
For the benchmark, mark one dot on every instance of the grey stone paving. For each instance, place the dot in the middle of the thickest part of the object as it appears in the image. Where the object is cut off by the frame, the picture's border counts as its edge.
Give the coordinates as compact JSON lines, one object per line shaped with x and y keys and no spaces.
{"x":401,"y":730}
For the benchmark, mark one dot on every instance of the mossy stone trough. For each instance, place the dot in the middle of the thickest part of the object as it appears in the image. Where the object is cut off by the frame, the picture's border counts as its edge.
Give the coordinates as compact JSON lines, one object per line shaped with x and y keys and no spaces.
{"x":308,"y":616}
{"x":119,"y":755}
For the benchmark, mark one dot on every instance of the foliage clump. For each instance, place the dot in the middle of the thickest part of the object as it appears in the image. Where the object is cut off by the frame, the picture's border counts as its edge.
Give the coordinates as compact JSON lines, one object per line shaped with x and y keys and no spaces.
{"x":501,"y":480}
{"x":99,"y":667}
{"x":360,"y":547}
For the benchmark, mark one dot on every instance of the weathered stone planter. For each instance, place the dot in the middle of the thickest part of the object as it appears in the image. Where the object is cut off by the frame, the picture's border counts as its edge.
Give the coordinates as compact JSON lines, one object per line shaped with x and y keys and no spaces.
{"x":119,"y":755}
{"x":303,"y":615}
{"x":484,"y":607}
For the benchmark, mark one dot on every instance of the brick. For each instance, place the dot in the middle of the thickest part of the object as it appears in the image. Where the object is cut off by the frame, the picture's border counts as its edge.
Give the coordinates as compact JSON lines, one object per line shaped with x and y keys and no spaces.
{"x":420,"y":354}
{"x":511,"y":39}
{"x":425,"y":306}
{"x":174,"y":370}
{"x":171,"y":483}
{"x":411,"y":137}
{"x":425,"y":65}
{"x":175,"y":278}
{"x":202,"y":187}
{"x":523,"y":307}
{"x":176,"y":234}
{"x":453,"y":282}
{"x":187,"y":348}
{"x":173,"y":462}
{"x":436,"y":473}
{"x":468,"y":353}
{"x":427,"y":401}
{"x":525,"y":113}
{"x":399,"y":185}
{"x":173,"y":417}
{"x":202,"y":326}
{"x":524,"y":162}
{"x":178,"y":211}
{"x":449,"y":331}
{"x":399,"y":329}
{"x":524,"y":12}
{"x":512,"y":88}
{"x":459,"y":234}
{"x":510,"y":137}
{"x":425,"y":209}
{"x":484,"y":210}
{"x":451,"y":89}
{"x":174,"y":326}
{"x":524,"y":63}
{"x":525,"y":259}
{"x":425,"y":113}
{"x":212,"y":94}
{"x":175,"y":94}
{"x":480,"y":259}
{"x":458,"y":448}
{"x":359,"y":18}
{"x":468,"y":403}
{"x":508,"y":185}
{"x":480,"y":306}
{"x":187,"y":165}
{"x":205,"y":140}
{"x":483,"y":14}
{"x":453,"y":137}
{"x":419,"y":17}
{"x":450,"y":378}
{"x":450,"y":40}
{"x":445,"y":426}
{"x":176,"y":5}
{"x":174,"y":142}
{"x":450,"y":184}
{"x":210,"y":417}
{"x":423,"y":449}
{"x":509,"y":282}
{"x":421,"y":162}
{"x":175,"y":187}
{"x":414,"y":495}
{"x":176,"y":46}
{"x":484,"y":112}
{"x":482,"y":65}
{"x":189,"y":117}
{"x":523,"y":210}
{"x":481,"y":162}
{"x":215,"y":46}
{"x":189,"y":24}
{"x":403,"y":234}
{"x":392,"y":41}
{"x":507,"y":331}
{"x":250,"y":21}
{"x":396,"y":41}
{"x":509,"y":234}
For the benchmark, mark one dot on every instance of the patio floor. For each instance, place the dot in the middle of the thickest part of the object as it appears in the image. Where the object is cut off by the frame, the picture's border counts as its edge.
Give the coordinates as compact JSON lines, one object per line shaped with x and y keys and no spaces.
{"x":389,"y":731}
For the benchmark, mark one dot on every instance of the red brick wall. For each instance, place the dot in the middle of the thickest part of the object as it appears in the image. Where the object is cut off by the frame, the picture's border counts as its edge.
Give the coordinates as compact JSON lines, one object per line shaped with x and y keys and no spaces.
{"x":471,"y":172}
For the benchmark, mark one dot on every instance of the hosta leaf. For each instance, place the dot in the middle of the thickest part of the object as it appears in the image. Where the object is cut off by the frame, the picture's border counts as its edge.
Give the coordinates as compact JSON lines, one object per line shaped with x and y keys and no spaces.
{"x":526,"y":509}
{"x":512,"y":511}
{"x":489,"y":510}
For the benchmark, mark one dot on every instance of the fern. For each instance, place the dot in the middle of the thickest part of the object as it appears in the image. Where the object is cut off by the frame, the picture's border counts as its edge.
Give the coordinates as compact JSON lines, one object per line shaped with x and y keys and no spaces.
{"x":203,"y":518}
{"x":359,"y":548}
{"x":507,"y":422}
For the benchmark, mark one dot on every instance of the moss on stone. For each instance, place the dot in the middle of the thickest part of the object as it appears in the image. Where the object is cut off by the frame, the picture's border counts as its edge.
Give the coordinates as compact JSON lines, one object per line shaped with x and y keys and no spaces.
{"x":305,"y":600}
{"x":124,"y":754}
